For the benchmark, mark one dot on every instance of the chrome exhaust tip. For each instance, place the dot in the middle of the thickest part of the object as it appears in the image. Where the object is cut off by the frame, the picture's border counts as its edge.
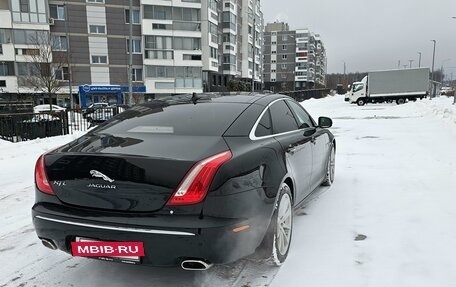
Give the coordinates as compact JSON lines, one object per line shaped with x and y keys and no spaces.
{"x":195,"y":265}
{"x":49,"y":243}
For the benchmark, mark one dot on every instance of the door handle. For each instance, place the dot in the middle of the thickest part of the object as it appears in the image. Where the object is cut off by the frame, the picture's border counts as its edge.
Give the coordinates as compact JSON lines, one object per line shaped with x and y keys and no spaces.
{"x":292,"y":149}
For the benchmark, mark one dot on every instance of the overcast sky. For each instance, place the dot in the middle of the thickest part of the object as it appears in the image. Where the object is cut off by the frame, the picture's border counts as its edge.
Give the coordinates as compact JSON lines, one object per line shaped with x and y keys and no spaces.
{"x":374,"y":34}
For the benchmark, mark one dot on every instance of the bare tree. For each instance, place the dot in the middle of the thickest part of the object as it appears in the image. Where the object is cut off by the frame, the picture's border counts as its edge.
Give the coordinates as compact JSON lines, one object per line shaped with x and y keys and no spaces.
{"x":46,"y":63}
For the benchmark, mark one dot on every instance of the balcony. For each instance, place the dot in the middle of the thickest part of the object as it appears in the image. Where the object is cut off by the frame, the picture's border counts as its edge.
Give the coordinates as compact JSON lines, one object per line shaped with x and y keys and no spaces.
{"x":5,"y":16}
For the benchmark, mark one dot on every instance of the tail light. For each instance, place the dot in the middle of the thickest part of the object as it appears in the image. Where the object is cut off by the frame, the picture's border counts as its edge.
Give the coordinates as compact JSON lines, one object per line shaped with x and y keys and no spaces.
{"x":195,"y":185}
{"x":41,"y":179}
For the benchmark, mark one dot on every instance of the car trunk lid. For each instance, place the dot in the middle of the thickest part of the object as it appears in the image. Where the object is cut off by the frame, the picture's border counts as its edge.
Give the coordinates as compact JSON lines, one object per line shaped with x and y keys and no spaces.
{"x":116,"y":173}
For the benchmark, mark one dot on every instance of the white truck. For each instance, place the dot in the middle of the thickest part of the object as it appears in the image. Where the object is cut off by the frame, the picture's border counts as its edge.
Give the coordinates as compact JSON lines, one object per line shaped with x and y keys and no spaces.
{"x":391,"y":85}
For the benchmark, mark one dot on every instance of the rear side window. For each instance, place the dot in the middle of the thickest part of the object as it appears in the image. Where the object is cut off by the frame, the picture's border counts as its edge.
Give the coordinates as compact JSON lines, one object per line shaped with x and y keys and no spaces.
{"x":202,"y":119}
{"x":264,"y":126}
{"x":304,"y":120}
{"x":282,"y":118}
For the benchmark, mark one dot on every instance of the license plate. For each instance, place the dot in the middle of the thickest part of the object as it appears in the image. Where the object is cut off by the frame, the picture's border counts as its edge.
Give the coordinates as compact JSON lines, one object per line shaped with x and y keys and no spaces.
{"x":126,"y":252}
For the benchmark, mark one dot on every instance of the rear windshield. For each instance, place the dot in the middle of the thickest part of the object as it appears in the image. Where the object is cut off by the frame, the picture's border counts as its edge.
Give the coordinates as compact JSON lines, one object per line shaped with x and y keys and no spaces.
{"x":202,"y":119}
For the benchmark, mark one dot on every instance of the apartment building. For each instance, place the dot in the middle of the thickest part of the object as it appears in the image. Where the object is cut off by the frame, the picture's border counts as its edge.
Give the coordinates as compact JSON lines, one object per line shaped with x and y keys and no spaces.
{"x":230,"y":28}
{"x":178,"y":46}
{"x":95,"y":36}
{"x":279,"y":57}
{"x":293,"y":59}
{"x":20,"y":23}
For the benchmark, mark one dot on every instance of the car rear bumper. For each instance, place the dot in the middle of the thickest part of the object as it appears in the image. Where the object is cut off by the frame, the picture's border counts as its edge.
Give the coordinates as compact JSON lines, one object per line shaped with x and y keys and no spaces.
{"x":210,"y":239}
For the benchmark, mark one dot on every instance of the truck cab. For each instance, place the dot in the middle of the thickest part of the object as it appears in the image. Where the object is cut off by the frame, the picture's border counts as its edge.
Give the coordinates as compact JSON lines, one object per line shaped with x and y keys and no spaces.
{"x":358,"y":90}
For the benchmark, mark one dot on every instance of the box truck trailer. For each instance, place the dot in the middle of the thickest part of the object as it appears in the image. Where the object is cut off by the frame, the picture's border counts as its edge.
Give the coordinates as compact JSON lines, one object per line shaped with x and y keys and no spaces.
{"x":391,"y":85}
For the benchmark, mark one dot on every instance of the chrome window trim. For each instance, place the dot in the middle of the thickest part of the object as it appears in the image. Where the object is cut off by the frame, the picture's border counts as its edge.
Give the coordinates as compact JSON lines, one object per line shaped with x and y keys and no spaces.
{"x":116,"y":228}
{"x":252,"y":131}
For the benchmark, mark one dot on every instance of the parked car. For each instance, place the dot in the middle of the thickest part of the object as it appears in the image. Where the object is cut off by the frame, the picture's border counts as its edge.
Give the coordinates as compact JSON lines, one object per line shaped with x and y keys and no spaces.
{"x":98,"y":105}
{"x":93,"y":107}
{"x":204,"y":181}
{"x":447,"y":91}
{"x":46,"y":108}
{"x":99,"y":115}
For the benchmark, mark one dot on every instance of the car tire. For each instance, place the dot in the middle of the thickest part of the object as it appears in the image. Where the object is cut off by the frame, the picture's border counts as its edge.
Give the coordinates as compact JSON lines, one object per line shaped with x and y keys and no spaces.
{"x":330,"y":169}
{"x":360,"y":102}
{"x":400,"y":101}
{"x":273,"y":248}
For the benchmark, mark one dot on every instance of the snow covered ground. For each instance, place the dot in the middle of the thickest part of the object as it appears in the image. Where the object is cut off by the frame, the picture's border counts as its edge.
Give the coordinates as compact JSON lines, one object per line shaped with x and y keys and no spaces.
{"x":388,"y":220}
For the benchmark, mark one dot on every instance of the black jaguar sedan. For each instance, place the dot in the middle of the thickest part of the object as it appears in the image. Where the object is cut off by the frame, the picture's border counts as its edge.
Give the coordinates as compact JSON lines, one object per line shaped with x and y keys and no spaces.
{"x":190,"y":181}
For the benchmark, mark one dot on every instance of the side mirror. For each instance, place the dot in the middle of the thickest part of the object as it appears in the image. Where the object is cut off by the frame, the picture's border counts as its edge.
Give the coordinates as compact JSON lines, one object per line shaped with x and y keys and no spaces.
{"x":324,"y":122}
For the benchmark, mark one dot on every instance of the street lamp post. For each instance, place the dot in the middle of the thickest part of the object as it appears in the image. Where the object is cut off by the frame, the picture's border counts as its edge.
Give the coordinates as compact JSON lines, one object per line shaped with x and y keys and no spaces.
{"x":454,"y":95}
{"x":130,"y":56}
{"x":433,"y":76}
{"x":419,"y":60}
{"x":70,"y":72}
{"x":344,"y":79}
{"x":253,"y":51}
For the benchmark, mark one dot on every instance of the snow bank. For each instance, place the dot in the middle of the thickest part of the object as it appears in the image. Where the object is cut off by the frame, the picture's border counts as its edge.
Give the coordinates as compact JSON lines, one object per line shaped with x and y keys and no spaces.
{"x":442,"y":107}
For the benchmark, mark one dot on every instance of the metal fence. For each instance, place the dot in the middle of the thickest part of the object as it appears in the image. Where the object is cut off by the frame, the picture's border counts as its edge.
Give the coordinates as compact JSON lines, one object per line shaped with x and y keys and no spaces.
{"x":303,"y":95}
{"x":16,"y":127}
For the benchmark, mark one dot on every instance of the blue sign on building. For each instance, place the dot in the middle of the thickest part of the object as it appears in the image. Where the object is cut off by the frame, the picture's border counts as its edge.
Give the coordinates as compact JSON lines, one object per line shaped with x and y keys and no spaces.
{"x":112,"y":94}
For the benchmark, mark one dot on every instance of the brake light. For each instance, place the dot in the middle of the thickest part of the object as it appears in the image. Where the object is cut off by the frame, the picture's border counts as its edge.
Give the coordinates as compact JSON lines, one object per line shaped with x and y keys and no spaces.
{"x":41,"y":179}
{"x":195,"y":185}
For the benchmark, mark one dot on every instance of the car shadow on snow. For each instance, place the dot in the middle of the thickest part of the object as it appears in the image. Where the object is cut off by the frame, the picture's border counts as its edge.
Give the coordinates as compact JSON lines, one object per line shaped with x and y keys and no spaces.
{"x":91,"y":272}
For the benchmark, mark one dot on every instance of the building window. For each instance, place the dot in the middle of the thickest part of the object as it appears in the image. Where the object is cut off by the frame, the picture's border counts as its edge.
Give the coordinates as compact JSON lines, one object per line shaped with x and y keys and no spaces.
{"x":136,"y":16}
{"x":24,"y":6}
{"x":284,"y":66}
{"x":62,"y":74}
{"x":284,"y":47}
{"x":57,"y":11}
{"x":188,"y":57}
{"x":136,"y":75}
{"x":273,"y":80}
{"x":184,"y":43}
{"x":273,"y":61}
{"x":99,"y":59}
{"x":273,"y":71}
{"x":159,"y":54}
{"x":59,"y":43}
{"x":3,"y":83}
{"x":214,"y":53}
{"x":4,"y":69}
{"x":284,"y":37}
{"x":274,"y":43}
{"x":158,"y":12}
{"x":97,"y":29}
{"x":28,"y":52}
{"x":157,"y":26}
{"x":136,"y":46}
{"x":29,"y":11}
{"x":284,"y":57}
{"x":5,"y":36}
{"x":95,"y":1}
{"x":274,"y":52}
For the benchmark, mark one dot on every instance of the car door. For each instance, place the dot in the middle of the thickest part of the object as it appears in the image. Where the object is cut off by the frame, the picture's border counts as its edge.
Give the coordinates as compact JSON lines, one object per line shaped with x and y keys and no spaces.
{"x":320,"y":143}
{"x":296,"y":147}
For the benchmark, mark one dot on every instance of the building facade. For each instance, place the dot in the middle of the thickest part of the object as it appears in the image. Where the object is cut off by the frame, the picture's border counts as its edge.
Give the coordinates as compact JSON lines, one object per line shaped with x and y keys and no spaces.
{"x":230,"y":29}
{"x":178,"y":46}
{"x":293,"y":59}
